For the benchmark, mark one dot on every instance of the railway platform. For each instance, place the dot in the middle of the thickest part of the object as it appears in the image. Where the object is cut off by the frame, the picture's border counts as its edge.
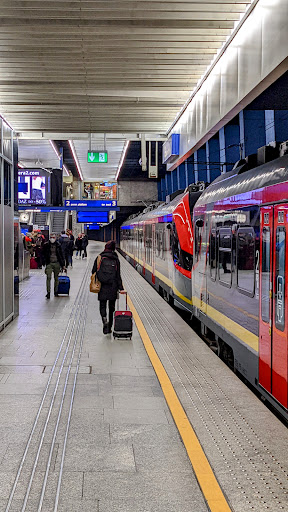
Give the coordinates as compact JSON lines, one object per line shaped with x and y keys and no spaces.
{"x":158,"y":423}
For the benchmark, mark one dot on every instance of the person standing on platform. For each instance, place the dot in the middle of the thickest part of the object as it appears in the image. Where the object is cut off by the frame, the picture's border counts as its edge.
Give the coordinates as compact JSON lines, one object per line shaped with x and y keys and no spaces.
{"x":84,"y":245}
{"x":72,"y":239}
{"x":54,"y":261}
{"x":109,"y":275}
{"x":65,"y":243}
{"x":39,"y":242}
{"x":78,"y":245}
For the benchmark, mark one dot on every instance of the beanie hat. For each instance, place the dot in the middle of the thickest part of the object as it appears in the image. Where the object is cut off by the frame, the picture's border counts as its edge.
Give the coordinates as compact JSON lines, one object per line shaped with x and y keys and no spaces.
{"x":110,"y":246}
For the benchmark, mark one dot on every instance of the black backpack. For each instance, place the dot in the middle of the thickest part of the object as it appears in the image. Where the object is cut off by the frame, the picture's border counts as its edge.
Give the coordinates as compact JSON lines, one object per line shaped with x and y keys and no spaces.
{"x":107,"y":272}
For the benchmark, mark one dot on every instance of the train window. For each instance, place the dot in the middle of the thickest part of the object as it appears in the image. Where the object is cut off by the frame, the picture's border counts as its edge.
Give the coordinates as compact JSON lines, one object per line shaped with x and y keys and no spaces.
{"x":175,"y":245}
{"x":225,"y":256}
{"x":198,"y":237}
{"x":280,"y":278}
{"x":186,"y":260}
{"x":246,"y":260}
{"x":265,"y":276}
{"x":148,"y":243}
{"x":212,"y":255}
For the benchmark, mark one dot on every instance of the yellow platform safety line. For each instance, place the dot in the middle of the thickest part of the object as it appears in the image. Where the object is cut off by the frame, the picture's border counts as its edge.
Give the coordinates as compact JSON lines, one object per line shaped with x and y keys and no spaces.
{"x":203,"y":471}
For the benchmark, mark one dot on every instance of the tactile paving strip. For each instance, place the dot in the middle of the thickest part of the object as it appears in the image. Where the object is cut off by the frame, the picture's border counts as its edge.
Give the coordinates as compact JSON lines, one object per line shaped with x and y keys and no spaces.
{"x":252,"y":474}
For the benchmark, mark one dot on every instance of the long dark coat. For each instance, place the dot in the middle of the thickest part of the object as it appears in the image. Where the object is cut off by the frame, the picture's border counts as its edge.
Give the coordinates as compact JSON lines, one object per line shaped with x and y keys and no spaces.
{"x":109,"y":290}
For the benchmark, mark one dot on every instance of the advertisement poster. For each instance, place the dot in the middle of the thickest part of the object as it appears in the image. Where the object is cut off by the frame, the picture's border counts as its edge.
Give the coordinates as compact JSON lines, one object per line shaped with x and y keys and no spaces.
{"x":105,"y":190}
{"x":32,"y":188}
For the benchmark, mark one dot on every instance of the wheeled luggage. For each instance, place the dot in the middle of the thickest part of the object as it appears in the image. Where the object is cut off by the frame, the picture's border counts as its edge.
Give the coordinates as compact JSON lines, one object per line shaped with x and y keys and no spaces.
{"x":33,"y":263}
{"x":123,"y":324}
{"x":63,"y":285}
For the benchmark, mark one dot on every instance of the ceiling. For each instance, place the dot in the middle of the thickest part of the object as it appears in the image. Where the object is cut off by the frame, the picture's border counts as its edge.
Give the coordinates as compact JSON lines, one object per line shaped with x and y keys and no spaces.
{"x":98,"y":66}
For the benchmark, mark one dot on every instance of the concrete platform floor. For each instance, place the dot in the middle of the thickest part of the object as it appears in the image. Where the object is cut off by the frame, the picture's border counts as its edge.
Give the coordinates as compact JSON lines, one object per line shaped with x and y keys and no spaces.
{"x":117,"y":449}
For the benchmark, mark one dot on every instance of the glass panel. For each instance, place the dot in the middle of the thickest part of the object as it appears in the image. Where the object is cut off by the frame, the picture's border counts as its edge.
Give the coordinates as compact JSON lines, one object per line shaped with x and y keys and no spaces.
{"x":246,"y":259}
{"x":7,"y":184}
{"x":212,"y":255}
{"x":7,"y":141}
{"x":225,"y":253}
{"x":280,"y":279}
{"x":265,"y":275}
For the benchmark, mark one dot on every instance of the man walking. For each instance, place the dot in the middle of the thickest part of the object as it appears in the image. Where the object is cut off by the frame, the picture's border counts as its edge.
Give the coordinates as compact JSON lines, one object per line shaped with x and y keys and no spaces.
{"x":54,"y":261}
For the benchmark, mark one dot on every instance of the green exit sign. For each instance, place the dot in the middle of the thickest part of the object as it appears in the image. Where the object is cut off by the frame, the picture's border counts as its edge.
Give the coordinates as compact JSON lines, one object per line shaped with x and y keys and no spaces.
{"x":97,"y":157}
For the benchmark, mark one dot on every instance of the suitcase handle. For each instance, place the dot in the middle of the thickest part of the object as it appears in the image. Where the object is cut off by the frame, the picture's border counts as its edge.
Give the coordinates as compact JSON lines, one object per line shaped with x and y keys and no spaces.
{"x":118,"y":300}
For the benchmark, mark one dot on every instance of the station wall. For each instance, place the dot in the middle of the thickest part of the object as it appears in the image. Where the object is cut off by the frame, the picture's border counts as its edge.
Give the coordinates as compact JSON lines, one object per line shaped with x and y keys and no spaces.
{"x":8,"y":228}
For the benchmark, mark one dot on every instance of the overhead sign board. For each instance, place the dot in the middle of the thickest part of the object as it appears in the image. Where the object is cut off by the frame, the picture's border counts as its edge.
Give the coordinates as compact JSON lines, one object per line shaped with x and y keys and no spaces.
{"x":91,"y":226}
{"x":171,"y":148}
{"x":74,"y":204}
{"x":97,"y":157}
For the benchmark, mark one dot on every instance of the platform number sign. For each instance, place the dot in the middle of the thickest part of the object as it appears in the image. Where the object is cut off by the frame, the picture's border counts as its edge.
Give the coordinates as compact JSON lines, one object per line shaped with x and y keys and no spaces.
{"x":266,"y":218}
{"x":281,"y":217}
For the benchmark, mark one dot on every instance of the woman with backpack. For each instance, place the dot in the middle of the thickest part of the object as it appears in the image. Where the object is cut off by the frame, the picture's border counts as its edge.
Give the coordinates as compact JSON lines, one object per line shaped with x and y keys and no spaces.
{"x":107,"y":268}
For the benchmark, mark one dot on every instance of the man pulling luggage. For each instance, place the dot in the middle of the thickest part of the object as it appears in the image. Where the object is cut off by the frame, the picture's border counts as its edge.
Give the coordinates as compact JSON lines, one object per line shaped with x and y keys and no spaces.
{"x":54,"y":261}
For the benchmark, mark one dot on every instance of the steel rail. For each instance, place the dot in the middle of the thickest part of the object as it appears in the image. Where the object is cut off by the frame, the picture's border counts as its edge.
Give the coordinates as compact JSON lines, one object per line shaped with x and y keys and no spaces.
{"x":75,"y":306}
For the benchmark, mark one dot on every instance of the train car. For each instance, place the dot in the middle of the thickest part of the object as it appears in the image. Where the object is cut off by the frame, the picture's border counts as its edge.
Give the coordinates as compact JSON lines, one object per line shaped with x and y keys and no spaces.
{"x":239,"y":286}
{"x":159,"y":243}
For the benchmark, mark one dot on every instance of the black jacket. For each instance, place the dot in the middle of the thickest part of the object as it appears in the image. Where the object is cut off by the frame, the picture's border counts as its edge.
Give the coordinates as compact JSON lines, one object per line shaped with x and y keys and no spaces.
{"x":59,"y":253}
{"x":84,"y":241}
{"x":78,"y":244}
{"x":109,"y":290}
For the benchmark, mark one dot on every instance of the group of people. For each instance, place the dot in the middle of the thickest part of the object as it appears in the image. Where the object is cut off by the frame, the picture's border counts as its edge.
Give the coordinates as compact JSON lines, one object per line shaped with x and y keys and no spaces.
{"x":33,"y":243}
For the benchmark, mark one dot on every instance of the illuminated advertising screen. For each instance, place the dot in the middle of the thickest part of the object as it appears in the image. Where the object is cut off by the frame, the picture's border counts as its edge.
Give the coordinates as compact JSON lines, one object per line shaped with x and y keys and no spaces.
{"x":105,"y":190}
{"x":33,"y":187}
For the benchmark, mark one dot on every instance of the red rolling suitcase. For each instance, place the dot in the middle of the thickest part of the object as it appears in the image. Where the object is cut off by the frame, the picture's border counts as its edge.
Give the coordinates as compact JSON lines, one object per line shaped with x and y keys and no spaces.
{"x":123,"y":324}
{"x":33,"y":263}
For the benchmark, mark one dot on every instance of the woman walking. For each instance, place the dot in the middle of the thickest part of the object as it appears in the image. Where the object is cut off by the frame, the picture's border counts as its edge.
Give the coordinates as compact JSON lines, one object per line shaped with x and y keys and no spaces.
{"x":108,"y":273}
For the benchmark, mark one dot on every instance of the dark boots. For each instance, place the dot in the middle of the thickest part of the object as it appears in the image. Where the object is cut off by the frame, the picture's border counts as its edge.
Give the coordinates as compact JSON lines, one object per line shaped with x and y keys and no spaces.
{"x":105,"y":325}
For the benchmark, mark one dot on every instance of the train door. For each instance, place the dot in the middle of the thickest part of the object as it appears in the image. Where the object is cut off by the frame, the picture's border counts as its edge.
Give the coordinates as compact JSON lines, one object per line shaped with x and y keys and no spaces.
{"x":273,"y":318}
{"x":153,"y":255}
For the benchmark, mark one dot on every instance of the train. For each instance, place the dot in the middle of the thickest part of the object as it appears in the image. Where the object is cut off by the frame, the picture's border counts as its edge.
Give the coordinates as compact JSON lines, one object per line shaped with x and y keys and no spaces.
{"x":219,"y":253}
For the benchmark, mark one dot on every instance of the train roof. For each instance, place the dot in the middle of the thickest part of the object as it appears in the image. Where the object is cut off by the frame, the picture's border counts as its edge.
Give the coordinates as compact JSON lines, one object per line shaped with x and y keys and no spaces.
{"x":161,"y":210}
{"x":236,"y":182}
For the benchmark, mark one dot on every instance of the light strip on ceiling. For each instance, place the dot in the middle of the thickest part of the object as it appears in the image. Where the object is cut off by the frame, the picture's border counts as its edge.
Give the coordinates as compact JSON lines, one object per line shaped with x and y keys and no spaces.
{"x":76,"y":159}
{"x":55,"y":149}
{"x":122,"y":159}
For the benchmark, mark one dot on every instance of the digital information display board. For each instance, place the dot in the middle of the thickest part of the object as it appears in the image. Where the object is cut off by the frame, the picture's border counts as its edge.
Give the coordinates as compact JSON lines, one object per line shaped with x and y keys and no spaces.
{"x":94,"y":217}
{"x":33,"y":187}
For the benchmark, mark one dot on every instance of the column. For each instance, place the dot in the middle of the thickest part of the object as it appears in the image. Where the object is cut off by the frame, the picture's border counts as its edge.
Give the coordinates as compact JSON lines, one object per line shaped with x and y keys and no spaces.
{"x":252,"y":131}
{"x":270,"y":135}
{"x":214,"y":158}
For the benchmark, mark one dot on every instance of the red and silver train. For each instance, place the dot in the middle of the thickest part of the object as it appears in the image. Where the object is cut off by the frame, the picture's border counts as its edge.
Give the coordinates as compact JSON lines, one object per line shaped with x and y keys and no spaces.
{"x":221,"y":253}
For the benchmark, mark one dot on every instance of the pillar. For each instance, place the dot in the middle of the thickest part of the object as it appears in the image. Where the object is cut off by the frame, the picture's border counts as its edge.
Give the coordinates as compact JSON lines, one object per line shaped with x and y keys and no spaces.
{"x":270,"y":135}
{"x":252,"y":131}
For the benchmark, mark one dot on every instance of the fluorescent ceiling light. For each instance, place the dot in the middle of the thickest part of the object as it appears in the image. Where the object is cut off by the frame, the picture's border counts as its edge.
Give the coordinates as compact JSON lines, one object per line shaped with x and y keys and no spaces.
{"x":57,"y":153}
{"x":76,"y":159}
{"x":122,"y":159}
